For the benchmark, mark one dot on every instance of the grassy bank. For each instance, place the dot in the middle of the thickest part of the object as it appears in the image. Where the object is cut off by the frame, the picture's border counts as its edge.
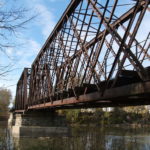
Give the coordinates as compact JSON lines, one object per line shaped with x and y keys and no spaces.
{"x":136,"y":116}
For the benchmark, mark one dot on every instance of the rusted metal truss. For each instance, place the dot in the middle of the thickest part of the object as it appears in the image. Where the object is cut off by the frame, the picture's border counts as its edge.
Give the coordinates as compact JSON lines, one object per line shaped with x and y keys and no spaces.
{"x":22,"y":90}
{"x":94,"y":47}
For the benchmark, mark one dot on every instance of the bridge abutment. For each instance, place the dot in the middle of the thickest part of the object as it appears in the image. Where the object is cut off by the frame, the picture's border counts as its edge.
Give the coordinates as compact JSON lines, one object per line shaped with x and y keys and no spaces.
{"x":37,"y":124}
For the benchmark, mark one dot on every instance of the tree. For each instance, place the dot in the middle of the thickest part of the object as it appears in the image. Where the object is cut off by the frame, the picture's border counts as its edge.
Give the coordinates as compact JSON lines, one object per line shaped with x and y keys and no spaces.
{"x":5,"y":97}
{"x":135,"y":109}
{"x":12,"y":20}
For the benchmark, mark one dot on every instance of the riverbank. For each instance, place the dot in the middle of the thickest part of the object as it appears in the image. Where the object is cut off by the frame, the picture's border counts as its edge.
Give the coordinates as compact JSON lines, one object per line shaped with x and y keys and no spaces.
{"x":97,"y":130}
{"x":129,"y":116}
{"x":119,"y":117}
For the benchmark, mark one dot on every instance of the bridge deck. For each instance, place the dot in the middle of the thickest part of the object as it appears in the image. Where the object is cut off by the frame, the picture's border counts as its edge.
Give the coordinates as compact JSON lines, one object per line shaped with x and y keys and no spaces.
{"x":133,"y":94}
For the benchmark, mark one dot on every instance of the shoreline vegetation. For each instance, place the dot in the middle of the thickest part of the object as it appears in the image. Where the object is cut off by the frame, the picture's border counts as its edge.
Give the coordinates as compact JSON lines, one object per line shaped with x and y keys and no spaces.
{"x":122,"y":119}
{"x":5,"y":97}
{"x":137,"y":116}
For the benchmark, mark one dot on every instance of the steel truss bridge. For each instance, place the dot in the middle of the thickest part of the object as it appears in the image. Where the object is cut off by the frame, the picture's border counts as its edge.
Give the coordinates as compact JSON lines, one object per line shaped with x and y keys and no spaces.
{"x":97,"y":55}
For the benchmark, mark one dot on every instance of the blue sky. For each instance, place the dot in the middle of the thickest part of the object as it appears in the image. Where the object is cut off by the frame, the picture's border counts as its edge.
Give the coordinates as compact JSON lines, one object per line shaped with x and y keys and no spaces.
{"x":30,"y":40}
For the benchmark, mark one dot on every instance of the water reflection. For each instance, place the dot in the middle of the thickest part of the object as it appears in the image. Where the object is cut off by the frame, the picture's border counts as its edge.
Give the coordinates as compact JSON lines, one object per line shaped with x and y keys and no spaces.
{"x":84,"y":138}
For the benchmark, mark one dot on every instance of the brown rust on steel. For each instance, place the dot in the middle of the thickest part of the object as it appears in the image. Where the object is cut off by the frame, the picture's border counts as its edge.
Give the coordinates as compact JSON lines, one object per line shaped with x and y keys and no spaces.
{"x":125,"y":91}
{"x":69,"y":59}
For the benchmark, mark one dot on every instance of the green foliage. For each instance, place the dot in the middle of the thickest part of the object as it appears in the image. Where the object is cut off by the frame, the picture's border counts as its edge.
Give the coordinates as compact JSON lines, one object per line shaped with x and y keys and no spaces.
{"x":117,"y":116}
{"x":73,"y":115}
{"x":5,"y":97}
{"x":128,"y":115}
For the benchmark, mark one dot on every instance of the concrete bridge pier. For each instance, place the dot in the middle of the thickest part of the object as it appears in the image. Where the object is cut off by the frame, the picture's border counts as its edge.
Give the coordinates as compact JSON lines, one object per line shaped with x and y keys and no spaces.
{"x":37,"y":124}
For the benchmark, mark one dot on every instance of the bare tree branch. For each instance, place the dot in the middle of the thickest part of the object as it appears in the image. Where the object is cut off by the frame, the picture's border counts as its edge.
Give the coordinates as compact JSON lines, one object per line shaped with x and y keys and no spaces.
{"x":12,"y":20}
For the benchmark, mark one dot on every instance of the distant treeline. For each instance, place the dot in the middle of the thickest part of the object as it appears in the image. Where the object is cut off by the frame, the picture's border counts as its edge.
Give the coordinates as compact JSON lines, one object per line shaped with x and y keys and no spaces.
{"x":5,"y":97}
{"x":126,"y":115}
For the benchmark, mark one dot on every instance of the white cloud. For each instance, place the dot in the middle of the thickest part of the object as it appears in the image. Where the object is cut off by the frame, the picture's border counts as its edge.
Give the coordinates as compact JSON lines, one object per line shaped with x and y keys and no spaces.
{"x":26,"y":52}
{"x":46,"y":20}
{"x":9,"y":51}
{"x":24,"y":57}
{"x":34,"y":46}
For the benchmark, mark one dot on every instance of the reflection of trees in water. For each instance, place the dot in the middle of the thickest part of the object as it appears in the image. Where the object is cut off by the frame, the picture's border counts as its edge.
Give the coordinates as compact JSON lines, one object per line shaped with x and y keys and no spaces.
{"x":126,"y":143}
{"x":115,"y":142}
{"x":6,"y":142}
{"x":91,"y":138}
{"x":86,"y":139}
{"x":2,"y":141}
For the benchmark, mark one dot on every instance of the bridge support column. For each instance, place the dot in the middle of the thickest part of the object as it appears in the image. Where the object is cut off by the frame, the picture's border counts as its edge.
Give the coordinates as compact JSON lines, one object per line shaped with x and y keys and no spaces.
{"x":37,"y":124}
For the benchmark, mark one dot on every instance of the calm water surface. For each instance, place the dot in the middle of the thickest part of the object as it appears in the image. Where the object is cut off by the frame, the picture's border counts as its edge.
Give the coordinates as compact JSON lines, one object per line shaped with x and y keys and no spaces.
{"x":82,"y":138}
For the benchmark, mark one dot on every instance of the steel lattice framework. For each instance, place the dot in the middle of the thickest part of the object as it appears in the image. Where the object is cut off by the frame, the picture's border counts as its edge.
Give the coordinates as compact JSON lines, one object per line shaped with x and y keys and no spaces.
{"x":93,"y":47}
{"x":22,"y":90}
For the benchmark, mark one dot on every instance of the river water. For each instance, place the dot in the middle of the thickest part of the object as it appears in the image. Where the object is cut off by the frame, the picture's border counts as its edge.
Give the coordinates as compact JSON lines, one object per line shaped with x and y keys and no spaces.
{"x":82,"y":138}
